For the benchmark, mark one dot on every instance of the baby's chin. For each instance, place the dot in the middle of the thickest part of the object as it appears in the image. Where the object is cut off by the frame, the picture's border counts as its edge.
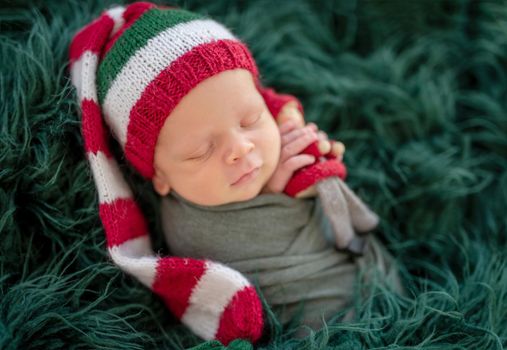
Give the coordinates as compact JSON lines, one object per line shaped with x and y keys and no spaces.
{"x":226,"y":199}
{"x":256,"y":187}
{"x":248,"y":194}
{"x":245,"y":192}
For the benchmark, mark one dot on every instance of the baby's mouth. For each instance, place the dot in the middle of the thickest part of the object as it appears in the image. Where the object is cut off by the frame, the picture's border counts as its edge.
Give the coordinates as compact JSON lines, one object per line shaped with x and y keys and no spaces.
{"x":246,"y":177}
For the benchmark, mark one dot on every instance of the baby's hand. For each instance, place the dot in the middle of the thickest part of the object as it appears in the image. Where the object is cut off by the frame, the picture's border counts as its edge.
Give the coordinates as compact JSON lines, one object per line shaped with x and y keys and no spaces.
{"x":294,"y":140}
{"x":325,"y":147}
{"x":337,"y":147}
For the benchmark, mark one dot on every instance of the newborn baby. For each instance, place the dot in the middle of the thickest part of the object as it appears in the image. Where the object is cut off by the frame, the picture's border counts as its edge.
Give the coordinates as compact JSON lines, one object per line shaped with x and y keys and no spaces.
{"x":181,"y":95}
{"x":221,"y":144}
{"x":220,"y":131}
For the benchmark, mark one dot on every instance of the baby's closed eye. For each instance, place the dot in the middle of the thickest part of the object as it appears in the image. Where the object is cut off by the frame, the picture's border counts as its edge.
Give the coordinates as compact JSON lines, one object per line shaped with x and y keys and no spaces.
{"x":202,"y":156}
{"x":252,"y":120}
{"x":245,"y":123}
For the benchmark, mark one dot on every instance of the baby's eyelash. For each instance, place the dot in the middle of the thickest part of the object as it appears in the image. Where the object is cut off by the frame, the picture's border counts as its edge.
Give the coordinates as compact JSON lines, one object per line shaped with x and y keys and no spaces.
{"x":256,"y":120}
{"x":203,"y":155}
{"x":210,"y":149}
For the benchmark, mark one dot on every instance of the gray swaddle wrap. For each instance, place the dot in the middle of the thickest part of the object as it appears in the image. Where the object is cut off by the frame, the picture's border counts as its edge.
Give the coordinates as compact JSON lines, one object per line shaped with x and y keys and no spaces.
{"x":276,"y":240}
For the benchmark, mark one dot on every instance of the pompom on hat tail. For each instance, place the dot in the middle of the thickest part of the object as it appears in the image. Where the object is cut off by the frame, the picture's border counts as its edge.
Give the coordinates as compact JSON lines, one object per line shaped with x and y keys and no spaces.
{"x":130,"y":67}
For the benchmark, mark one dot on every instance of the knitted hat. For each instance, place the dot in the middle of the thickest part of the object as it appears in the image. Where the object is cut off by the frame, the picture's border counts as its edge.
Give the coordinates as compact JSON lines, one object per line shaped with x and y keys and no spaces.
{"x":131,"y":67}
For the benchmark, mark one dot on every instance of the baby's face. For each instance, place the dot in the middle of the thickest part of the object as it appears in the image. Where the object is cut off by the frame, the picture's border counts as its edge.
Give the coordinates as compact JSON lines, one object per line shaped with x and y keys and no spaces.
{"x":219,"y":132}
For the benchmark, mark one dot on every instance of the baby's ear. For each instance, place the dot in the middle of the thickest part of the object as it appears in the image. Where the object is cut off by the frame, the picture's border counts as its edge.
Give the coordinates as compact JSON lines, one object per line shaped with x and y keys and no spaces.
{"x":160,"y":184}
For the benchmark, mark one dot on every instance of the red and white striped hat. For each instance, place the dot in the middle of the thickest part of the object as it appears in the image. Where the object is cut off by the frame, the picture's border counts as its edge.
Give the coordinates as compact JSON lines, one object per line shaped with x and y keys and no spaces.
{"x":131,"y":67}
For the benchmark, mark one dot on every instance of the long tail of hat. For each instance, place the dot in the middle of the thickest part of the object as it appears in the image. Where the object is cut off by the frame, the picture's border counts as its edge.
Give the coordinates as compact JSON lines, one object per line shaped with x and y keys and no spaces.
{"x":213,"y":300}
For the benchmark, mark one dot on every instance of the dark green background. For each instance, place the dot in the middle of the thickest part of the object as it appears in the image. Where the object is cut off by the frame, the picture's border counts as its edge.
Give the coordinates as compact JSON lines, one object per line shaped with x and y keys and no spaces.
{"x":415,"y":89}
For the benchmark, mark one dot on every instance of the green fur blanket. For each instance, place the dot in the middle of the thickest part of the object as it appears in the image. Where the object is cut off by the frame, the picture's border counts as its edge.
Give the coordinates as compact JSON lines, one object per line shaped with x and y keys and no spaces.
{"x":417,"y":90}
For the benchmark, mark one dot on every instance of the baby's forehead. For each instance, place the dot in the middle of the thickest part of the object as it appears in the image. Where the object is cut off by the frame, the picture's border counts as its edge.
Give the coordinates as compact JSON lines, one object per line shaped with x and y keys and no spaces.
{"x":207,"y":118}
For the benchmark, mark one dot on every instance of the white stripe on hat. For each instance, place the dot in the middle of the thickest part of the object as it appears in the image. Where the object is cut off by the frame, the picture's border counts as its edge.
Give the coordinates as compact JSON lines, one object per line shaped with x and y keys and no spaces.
{"x":148,"y":62}
{"x":219,"y":283}
{"x":116,"y":15}
{"x":136,"y":257}
{"x":83,"y":76}
{"x":108,"y":178}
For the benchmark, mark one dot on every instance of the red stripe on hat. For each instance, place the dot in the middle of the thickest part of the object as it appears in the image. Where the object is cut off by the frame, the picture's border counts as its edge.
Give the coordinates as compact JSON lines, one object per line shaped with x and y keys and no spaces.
{"x":92,"y":37}
{"x":122,"y":220}
{"x":242,"y":318}
{"x":162,"y":95}
{"x":95,"y":132}
{"x":130,"y":15}
{"x":175,"y":280}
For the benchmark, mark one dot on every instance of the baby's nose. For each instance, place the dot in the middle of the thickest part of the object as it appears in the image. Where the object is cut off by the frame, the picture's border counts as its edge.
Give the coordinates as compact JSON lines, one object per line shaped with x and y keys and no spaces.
{"x":241,"y":146}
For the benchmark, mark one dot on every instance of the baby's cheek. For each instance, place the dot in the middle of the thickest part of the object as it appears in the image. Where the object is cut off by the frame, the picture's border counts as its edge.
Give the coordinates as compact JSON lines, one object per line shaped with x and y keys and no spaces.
{"x":272,"y":151}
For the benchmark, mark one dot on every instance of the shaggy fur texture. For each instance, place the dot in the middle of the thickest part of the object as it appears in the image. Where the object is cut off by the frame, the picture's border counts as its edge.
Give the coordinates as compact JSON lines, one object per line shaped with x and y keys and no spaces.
{"x":415,"y":89}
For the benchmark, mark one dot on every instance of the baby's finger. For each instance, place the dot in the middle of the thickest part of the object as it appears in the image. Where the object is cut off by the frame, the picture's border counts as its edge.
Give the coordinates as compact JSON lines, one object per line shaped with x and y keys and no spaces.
{"x":312,"y":126}
{"x":287,"y":126}
{"x":337,"y":147}
{"x":285,"y":170}
{"x":296,"y":146}
{"x":296,"y":162}
{"x":296,"y":133}
{"x":322,"y":135}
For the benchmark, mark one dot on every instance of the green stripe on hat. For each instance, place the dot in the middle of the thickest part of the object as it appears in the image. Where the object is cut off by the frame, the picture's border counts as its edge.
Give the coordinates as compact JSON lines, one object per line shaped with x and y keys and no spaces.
{"x":135,"y":37}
